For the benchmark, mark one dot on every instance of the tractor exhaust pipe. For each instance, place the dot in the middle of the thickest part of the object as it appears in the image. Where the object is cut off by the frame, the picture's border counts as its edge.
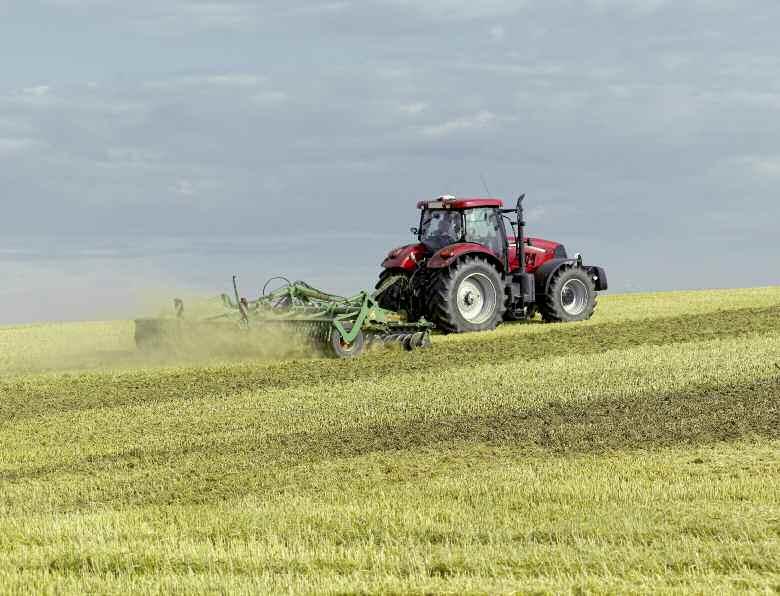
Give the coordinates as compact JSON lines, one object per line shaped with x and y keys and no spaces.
{"x":520,"y":233}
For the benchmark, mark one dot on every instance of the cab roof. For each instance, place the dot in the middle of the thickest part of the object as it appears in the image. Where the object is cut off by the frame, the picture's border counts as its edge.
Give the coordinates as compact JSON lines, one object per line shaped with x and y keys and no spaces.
{"x":450,"y":202}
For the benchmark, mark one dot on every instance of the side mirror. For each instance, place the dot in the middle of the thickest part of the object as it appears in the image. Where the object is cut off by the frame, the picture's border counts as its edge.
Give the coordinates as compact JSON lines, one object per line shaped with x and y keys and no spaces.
{"x":414,"y":231}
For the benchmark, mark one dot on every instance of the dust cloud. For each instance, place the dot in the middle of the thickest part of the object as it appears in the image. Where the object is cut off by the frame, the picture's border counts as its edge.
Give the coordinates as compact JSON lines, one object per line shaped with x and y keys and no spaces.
{"x":112,"y":345}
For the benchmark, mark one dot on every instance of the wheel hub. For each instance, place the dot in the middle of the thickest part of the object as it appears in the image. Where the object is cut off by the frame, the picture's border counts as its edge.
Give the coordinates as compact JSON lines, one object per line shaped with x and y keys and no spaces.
{"x":574,"y":297}
{"x":477,"y":298}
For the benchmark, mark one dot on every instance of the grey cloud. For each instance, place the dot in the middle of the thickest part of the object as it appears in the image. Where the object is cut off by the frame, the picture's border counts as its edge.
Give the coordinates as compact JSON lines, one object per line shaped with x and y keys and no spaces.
{"x":459,"y":9}
{"x":637,"y":128}
{"x":169,"y":18}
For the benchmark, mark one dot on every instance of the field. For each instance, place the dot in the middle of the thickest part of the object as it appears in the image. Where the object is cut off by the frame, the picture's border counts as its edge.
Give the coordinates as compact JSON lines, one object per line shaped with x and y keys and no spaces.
{"x":638,"y":452}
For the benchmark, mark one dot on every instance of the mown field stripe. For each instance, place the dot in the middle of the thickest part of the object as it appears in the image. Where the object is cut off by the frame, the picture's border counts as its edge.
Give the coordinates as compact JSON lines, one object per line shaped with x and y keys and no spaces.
{"x":671,"y":519}
{"x":699,"y":416}
{"x":31,"y":396}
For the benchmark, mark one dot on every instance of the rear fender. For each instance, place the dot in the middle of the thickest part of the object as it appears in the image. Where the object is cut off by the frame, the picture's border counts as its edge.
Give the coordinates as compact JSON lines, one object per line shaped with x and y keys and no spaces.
{"x":449,"y":254}
{"x":405,"y":258}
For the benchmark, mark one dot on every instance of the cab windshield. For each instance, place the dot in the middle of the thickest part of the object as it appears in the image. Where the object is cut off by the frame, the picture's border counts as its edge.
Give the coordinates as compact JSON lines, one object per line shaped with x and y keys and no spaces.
{"x":440,"y":228}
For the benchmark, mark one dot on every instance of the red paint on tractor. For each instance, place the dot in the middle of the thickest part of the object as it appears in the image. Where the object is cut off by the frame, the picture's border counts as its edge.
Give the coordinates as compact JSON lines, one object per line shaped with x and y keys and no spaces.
{"x":537,"y":252}
{"x":453,"y":252}
{"x":405,"y":257}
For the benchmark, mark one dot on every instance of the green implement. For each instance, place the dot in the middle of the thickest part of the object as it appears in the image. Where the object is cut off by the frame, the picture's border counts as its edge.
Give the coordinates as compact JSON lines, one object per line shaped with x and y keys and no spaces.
{"x":341,"y":327}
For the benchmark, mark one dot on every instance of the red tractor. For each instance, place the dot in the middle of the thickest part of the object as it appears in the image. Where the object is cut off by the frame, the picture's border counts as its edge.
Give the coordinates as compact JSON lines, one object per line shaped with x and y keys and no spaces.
{"x":469,"y":271}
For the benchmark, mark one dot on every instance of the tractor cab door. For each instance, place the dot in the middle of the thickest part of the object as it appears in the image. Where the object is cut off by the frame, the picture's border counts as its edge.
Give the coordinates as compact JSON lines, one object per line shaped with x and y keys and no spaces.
{"x":484,"y":226}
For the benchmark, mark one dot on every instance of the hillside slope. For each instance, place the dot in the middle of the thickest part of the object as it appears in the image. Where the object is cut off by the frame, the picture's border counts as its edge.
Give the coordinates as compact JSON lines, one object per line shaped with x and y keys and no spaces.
{"x":639,"y":451}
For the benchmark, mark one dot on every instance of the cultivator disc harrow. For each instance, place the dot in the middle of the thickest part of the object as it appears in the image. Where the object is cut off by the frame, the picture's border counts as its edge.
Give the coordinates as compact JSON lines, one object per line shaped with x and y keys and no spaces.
{"x":340,"y":327}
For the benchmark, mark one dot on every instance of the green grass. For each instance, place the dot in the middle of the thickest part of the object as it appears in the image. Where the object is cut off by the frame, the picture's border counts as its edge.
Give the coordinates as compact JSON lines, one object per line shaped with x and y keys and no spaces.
{"x":638,"y":452}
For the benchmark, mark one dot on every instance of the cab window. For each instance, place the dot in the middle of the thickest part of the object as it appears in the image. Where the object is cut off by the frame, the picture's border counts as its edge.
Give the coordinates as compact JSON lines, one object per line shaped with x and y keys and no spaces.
{"x":483,"y":227}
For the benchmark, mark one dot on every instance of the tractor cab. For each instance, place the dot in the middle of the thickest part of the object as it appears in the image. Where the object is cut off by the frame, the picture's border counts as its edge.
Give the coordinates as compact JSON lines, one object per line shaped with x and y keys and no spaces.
{"x":449,"y":221}
{"x":452,"y":227}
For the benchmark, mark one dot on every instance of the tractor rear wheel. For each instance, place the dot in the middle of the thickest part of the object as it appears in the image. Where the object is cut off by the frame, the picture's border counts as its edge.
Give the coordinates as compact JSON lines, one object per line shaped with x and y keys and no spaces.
{"x":571,"y":296}
{"x":467,"y":297}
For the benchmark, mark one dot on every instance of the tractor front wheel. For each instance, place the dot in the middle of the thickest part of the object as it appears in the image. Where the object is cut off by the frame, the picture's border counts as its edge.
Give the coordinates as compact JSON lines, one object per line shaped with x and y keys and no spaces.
{"x":396,"y":297}
{"x":467,"y":297}
{"x":571,"y":296}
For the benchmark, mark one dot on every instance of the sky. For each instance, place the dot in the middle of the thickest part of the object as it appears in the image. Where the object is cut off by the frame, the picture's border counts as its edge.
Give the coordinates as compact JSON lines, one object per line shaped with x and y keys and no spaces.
{"x":646,"y":134}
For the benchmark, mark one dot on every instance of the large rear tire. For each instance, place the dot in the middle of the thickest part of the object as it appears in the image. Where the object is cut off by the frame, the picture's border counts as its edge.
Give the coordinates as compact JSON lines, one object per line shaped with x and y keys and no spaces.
{"x":571,"y":296}
{"x":467,"y":297}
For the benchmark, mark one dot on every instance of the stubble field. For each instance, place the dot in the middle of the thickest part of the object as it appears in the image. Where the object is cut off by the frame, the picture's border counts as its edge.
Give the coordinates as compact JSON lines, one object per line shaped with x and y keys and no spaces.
{"x":637,"y":452}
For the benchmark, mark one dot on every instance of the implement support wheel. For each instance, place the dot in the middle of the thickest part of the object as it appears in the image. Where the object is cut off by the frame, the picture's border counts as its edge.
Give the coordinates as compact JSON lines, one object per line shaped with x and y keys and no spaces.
{"x":342,"y":349}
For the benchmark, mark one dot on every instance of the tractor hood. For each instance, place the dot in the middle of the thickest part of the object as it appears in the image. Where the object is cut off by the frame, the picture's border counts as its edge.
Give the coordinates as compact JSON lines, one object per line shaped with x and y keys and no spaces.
{"x":537,"y":252}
